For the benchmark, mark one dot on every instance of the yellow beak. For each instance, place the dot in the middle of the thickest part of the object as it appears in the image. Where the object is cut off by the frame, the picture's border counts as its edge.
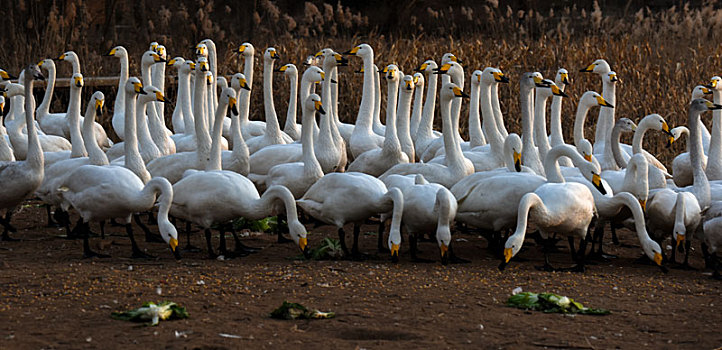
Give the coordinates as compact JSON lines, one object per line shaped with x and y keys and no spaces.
{"x":658,"y":259}
{"x":302,"y":243}
{"x":173,"y":243}
{"x":643,"y":204}
{"x":680,"y":239}
{"x":507,"y":254}
{"x":395,"y":249}
{"x":444,"y":249}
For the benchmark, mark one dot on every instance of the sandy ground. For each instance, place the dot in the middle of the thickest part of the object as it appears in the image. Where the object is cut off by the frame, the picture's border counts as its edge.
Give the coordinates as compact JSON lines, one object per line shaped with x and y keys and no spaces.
{"x":51,"y":298}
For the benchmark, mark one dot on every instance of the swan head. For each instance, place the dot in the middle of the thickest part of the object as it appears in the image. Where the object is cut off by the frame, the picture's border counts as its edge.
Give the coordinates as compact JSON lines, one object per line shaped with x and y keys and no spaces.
{"x":562,"y":77}
{"x":5,"y":76}
{"x":313,"y":104}
{"x":246,"y":49}
{"x":676,"y":134}
{"x":451,"y":68}
{"x":530,"y":80}
{"x":118,"y":51}
{"x":408,"y":84}
{"x":151,"y":94}
{"x":134,"y":86}
{"x":13,"y":89}
{"x":201,"y":50}
{"x":238,"y":81}
{"x":69,"y":56}
{"x":160,"y":50}
{"x":150,"y":58}
{"x":98,"y":99}
{"x":626,"y":125}
{"x":362,"y":50}
{"x":450,"y":91}
{"x":428,"y":67}
{"x":599,"y":66}
{"x":176,"y":62}
{"x":46,"y":64}
{"x":591,"y":99}
{"x":549,"y":88}
{"x":702,"y":105}
{"x":77,"y":80}
{"x":170,"y":235}
{"x":513,"y":147}
{"x":209,"y":77}
{"x":299,"y":235}
{"x":313,"y":74}
{"x":418,"y":80}
{"x":33,"y":72}
{"x":476,"y":77}
{"x":700,"y":91}
{"x":153,"y":46}
{"x":512,"y":247}
{"x":288,"y":70}
{"x":610,"y":78}
{"x":591,"y":172}
{"x":656,"y":122}
{"x":202,"y":64}
{"x":394,"y":243}
{"x":186,"y":67}
{"x":271,"y":54}
{"x":330,"y":56}
{"x":392,"y":73}
{"x":715,"y":83}
{"x":228,"y":96}
{"x":585,"y":149}
{"x":450,"y":57}
{"x":491,"y":75}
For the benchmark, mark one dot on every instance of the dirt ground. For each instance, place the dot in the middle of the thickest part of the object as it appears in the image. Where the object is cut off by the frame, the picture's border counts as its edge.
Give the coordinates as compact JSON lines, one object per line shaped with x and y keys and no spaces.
{"x":51,"y":298}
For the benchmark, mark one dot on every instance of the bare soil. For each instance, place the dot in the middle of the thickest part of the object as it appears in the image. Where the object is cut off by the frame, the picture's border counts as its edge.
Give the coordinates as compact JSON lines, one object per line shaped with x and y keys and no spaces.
{"x":52,"y":298}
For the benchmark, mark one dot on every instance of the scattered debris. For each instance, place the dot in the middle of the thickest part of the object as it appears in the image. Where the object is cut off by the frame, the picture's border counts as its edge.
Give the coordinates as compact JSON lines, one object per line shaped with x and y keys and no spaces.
{"x":166,"y":310}
{"x":516,"y":291}
{"x":232,"y":336}
{"x":551,"y":303}
{"x":292,"y":311}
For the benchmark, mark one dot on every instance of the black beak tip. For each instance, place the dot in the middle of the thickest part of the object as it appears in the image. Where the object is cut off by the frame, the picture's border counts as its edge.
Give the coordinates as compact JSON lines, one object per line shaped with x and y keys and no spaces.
{"x":445,"y":260}
{"x":517,"y":167}
{"x":395,"y":258}
{"x":333,"y":81}
{"x":176,"y":254}
{"x":321,"y":110}
{"x":306,"y":253}
{"x":502,"y":265}
{"x":663,"y":268}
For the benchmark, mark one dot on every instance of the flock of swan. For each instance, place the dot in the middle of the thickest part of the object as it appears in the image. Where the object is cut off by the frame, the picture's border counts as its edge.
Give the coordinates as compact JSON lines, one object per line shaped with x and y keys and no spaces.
{"x":215,"y":165}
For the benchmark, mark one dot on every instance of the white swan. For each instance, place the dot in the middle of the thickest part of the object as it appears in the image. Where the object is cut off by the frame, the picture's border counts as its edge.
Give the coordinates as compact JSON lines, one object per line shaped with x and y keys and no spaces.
{"x":457,"y":166}
{"x":178,"y":119}
{"x":377,"y":161}
{"x":681,"y":168}
{"x":328,"y":201}
{"x":118,"y":121}
{"x":530,"y":155}
{"x":714,"y":160}
{"x":403,"y":115}
{"x":238,"y":159}
{"x":363,"y":138}
{"x":185,"y":142}
{"x":290,"y":127}
{"x":455,"y":72}
{"x":23,"y":177}
{"x":330,"y":146}
{"x":299,"y":176}
{"x":100,"y":193}
{"x":51,"y":123}
{"x":419,"y":83}
{"x":605,"y":120}
{"x":542,"y":94}
{"x":6,"y":151}
{"x":72,"y":121}
{"x":273,"y":134}
{"x":248,"y":128}
{"x":657,"y":177}
{"x":556,"y":137}
{"x":424,"y":133}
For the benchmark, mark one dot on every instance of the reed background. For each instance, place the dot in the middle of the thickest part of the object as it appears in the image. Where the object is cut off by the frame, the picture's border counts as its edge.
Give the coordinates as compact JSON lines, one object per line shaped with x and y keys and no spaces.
{"x":659,"y":49}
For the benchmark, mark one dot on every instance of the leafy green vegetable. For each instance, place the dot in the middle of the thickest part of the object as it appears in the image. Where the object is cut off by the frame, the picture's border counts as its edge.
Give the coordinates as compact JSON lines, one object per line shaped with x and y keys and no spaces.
{"x":551,"y":303}
{"x":330,"y":249}
{"x":166,"y":310}
{"x":269,"y":224}
{"x":293,"y":311}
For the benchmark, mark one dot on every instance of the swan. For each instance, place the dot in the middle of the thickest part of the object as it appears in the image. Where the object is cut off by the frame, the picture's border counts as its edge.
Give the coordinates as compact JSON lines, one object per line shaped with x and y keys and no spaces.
{"x":24,"y":176}
{"x":419,"y":83}
{"x":118,"y":120}
{"x":530,"y":155}
{"x":72,"y":58}
{"x":681,"y":168}
{"x":248,"y":128}
{"x":476,"y":135}
{"x":178,"y":119}
{"x":377,"y":126}
{"x":402,"y":117}
{"x":427,"y":207}
{"x":680,"y":212}
{"x":273,"y":134}
{"x":51,"y":123}
{"x":457,"y":166}
{"x":588,"y":100}
{"x":216,"y":196}
{"x":100,"y":193}
{"x":147,"y":148}
{"x":290,"y":127}
{"x":299,"y":176}
{"x":714,"y":161}
{"x":156,"y":125}
{"x":542,"y":94}
{"x":157,"y":77}
{"x":657,"y":176}
{"x":377,"y":161}
{"x":556,"y":137}
{"x":491,"y":202}
{"x":557,"y":207}
{"x":328,"y":201}
{"x":363,"y":138}
{"x":424,"y":133}
{"x":237,"y":160}
{"x":56,"y":173}
{"x":330,"y":145}
{"x":266,"y":158}
{"x":6,"y":151}
{"x":436,"y":148}
{"x":185,"y":142}
{"x":73,"y":122}
{"x":605,"y":120}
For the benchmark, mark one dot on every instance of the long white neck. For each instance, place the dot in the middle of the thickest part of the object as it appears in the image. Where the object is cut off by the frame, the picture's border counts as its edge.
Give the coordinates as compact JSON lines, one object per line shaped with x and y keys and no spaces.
{"x":540,"y":123}
{"x":551,"y":162}
{"x":311,"y":166}
{"x":528,"y":202}
{"x":119,"y":105}
{"x":245,"y":95}
{"x":44,"y":107}
{"x":145,"y":140}
{"x":606,"y":115}
{"x":95,"y":154}
{"x":391,"y":141}
{"x":701,"y":188}
{"x":579,"y":119}
{"x":402,"y":123}
{"x":497,"y":111}
{"x":34,"y":155}
{"x":616,"y":149}
{"x":328,"y":121}
{"x":639,"y":137}
{"x":476,"y":136}
{"x":396,"y":197}
{"x":452,"y":149}
{"x":215,"y":161}
{"x":203,"y":137}
{"x":377,"y":98}
{"x":555,"y":119}
{"x":159,"y":82}
{"x":133,"y":160}
{"x":458,"y":79}
{"x":610,"y":160}
{"x":272,"y":127}
{"x":213,"y":62}
{"x":365,"y":116}
{"x":208,"y":103}
{"x":529,"y":153}
{"x":184,"y":98}
{"x":714,"y":160}
{"x":416,"y":111}
{"x":292,"y":109}
{"x":628,"y":200}
{"x":494,"y":138}
{"x":427,"y":118}
{"x":240,"y":149}
{"x":76,"y":139}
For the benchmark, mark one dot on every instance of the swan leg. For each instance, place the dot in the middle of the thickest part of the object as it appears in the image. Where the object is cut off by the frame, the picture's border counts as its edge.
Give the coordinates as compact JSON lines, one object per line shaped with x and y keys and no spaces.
{"x":151,"y":219}
{"x":222,"y":249}
{"x":61,"y":217}
{"x":547,"y":247}
{"x":413,"y":245}
{"x":356,"y":254}
{"x":715,"y":267}
{"x":189,"y":247}
{"x":685,"y":264}
{"x":708,"y":263}
{"x":380,"y":242}
{"x":241,"y":249}
{"x":102,"y":229}
{"x":87,"y":252}
{"x":211,"y":254}
{"x":7,"y":227}
{"x":51,"y":222}
{"x":615,"y":239}
{"x":137,"y":253}
{"x":279,"y":231}
{"x":149,"y":236}
{"x":342,"y":240}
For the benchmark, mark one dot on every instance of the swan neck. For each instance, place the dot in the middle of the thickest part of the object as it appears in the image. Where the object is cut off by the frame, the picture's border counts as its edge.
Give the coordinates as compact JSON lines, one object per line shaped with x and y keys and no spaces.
{"x":95,"y":154}
{"x":579,"y":119}
{"x":700,"y":183}
{"x":391,"y":140}
{"x":44,"y":107}
{"x":272,"y":127}
{"x":540,"y":124}
{"x":496,"y":142}
{"x":203,"y":137}
{"x":76,"y":139}
{"x":427,"y":114}
{"x":292,"y":101}
{"x":616,"y":149}
{"x":476,"y":136}
{"x":215,"y":161}
{"x":133,"y":160}
{"x":184,"y":97}
{"x":34,"y":156}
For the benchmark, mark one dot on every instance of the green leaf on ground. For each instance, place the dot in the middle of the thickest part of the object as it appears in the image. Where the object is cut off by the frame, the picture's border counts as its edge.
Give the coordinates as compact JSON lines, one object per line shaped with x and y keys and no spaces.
{"x":551,"y":303}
